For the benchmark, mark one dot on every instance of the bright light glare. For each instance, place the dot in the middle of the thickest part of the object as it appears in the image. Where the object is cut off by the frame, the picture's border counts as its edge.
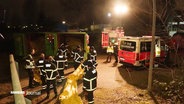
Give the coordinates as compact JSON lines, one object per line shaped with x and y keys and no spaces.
{"x":121,"y":9}
{"x":63,"y":22}
{"x":109,"y":14}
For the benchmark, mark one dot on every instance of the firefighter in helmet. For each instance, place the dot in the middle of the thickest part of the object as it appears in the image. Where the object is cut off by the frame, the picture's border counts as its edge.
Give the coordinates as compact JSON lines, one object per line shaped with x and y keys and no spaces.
{"x":78,"y":56}
{"x":30,"y":65}
{"x":64,"y":50}
{"x":115,"y":47}
{"x":40,"y":63}
{"x":60,"y":64}
{"x":51,"y":74}
{"x":93,"y":54}
{"x":89,"y":79}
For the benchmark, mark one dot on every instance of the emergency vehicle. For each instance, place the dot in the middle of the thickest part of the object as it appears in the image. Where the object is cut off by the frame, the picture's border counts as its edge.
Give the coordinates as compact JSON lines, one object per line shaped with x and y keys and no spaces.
{"x":111,"y":35}
{"x":136,"y":50}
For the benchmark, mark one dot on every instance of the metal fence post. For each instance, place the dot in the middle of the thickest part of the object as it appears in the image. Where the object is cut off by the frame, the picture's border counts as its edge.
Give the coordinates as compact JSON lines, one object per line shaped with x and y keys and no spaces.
{"x":19,"y":98}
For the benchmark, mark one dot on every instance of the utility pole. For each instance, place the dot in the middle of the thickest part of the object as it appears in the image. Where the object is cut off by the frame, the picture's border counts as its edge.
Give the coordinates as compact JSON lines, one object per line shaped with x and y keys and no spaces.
{"x":152,"y":47}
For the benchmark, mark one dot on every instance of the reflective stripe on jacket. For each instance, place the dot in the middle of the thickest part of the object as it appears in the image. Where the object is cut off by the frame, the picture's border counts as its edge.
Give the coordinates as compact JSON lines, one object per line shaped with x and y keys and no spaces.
{"x":110,"y":49}
{"x":90,"y":80}
{"x":60,"y":62}
{"x":51,"y":71}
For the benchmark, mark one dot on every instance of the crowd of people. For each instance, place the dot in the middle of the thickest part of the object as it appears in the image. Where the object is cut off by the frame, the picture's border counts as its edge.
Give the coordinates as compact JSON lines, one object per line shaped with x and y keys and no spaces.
{"x":52,"y":68}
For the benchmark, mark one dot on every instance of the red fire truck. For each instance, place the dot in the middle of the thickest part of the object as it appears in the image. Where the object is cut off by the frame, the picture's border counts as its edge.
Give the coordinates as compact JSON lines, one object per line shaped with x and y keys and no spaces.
{"x":136,"y":50}
{"x":111,"y":35}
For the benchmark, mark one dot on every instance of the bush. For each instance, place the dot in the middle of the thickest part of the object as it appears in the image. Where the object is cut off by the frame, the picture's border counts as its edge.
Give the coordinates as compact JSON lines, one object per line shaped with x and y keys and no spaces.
{"x":173,"y":91}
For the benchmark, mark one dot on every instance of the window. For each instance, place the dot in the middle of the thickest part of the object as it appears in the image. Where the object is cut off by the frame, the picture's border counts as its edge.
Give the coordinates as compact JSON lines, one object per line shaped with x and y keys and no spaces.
{"x":145,"y":46}
{"x":128,"y":45}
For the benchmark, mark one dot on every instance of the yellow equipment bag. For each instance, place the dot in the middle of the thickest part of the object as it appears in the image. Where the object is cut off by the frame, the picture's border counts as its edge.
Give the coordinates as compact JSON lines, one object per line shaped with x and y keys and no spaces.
{"x":70,"y":93}
{"x":36,"y":73}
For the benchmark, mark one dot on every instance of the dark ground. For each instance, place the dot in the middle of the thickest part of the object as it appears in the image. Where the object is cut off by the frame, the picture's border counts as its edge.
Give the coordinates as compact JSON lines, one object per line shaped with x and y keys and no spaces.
{"x":116,"y":85}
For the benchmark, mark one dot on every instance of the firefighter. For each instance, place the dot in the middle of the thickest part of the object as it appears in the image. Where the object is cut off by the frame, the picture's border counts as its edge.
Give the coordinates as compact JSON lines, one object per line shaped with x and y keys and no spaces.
{"x":85,"y":65}
{"x":93,"y":54}
{"x":51,"y":75}
{"x":89,"y":78}
{"x":64,"y":49}
{"x":90,"y":84}
{"x":115,"y":47}
{"x":73,"y":55}
{"x":40,"y":64}
{"x":59,"y":49}
{"x":60,"y":64}
{"x":78,"y":57}
{"x":30,"y":65}
{"x":110,"y":51}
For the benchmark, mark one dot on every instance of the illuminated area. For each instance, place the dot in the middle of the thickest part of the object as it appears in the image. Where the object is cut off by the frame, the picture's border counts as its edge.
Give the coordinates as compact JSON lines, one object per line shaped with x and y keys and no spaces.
{"x":109,"y":14}
{"x":63,"y":22}
{"x":120,"y":9}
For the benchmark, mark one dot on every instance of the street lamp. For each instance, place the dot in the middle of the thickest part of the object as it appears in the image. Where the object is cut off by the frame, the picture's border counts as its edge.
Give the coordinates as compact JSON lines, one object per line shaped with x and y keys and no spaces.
{"x":109,"y":14}
{"x":63,"y":22}
{"x":120,"y":9}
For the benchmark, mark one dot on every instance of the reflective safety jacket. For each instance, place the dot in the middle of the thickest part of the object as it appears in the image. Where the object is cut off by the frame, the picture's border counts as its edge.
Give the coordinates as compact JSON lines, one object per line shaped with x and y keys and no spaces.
{"x":90,"y":80}
{"x":95,"y":64}
{"x":63,"y":52}
{"x":73,"y":54}
{"x":60,"y":62}
{"x":50,"y":70}
{"x":110,"y":49}
{"x":86,"y":65}
{"x":40,"y":63}
{"x":29,"y":62}
{"x":78,"y":56}
{"x":93,"y":55}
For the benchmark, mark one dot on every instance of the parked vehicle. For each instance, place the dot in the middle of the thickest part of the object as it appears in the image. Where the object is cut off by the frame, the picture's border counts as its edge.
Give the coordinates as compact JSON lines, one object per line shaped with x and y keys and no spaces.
{"x":136,"y":51}
{"x":111,"y":35}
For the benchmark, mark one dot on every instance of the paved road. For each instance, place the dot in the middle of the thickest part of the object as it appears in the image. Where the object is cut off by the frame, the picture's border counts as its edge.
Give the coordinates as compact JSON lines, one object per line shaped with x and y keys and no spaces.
{"x":108,"y":74}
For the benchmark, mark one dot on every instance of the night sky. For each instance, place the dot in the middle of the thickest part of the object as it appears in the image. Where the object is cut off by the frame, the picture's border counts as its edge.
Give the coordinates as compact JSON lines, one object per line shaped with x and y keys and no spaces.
{"x":72,"y":11}
{"x":81,"y":12}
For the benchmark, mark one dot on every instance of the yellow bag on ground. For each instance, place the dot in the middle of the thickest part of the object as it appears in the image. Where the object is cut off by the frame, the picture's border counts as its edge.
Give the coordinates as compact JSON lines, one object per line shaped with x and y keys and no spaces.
{"x":70,"y":93}
{"x":36,"y":73}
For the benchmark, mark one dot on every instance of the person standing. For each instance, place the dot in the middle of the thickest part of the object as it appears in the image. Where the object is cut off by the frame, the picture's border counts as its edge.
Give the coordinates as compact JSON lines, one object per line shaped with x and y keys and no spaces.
{"x":40,"y":63}
{"x":90,"y":83}
{"x":89,"y":78}
{"x":51,"y":75}
{"x":64,"y":50}
{"x":30,"y":65}
{"x":115,"y":47}
{"x":60,"y":64}
{"x":87,"y":63}
{"x":93,"y":54}
{"x":110,"y":51}
{"x":78,"y":57}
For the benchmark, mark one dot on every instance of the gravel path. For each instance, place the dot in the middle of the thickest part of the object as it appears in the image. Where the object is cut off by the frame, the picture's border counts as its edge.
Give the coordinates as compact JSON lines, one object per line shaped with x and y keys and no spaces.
{"x":112,"y":88}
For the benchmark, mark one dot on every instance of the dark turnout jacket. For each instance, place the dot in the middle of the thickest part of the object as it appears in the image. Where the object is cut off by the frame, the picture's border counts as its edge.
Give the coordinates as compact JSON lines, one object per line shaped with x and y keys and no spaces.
{"x":90,"y":80}
{"x":51,"y":71}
